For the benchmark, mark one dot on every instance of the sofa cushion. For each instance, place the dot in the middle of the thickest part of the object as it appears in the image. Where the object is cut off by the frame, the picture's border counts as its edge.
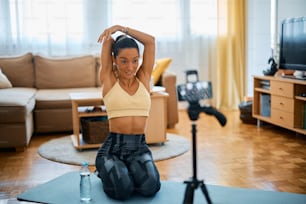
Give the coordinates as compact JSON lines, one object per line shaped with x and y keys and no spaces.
{"x":16,"y":104}
{"x":160,"y":68}
{"x":4,"y":82}
{"x":19,"y":70}
{"x":58,"y":98}
{"x":56,"y":73}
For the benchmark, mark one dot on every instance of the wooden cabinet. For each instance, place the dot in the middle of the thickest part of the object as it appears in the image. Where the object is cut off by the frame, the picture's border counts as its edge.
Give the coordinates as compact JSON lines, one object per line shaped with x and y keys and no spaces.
{"x":156,"y":131}
{"x":280,"y":101}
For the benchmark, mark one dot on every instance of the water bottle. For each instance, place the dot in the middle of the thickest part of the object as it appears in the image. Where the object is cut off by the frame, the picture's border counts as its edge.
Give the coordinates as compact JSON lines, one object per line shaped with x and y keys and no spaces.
{"x":85,"y":184}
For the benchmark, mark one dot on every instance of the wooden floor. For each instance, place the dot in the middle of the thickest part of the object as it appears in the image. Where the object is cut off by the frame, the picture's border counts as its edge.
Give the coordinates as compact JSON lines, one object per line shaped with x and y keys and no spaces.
{"x":238,"y":154}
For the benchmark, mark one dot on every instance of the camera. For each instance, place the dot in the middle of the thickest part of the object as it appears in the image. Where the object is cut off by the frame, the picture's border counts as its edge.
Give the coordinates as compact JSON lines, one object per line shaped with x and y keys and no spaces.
{"x":194,"y":91}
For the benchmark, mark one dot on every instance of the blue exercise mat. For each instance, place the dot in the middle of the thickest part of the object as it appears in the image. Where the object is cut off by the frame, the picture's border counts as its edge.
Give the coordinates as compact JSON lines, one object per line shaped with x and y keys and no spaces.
{"x":65,"y":189}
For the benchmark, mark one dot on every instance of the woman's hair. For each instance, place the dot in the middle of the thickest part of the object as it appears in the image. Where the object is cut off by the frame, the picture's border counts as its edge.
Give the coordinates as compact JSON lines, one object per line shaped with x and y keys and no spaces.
{"x":122,"y":42}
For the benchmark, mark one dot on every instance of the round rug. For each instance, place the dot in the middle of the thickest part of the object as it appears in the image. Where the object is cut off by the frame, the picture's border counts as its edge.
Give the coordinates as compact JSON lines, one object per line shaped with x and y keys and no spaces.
{"x":62,"y":150}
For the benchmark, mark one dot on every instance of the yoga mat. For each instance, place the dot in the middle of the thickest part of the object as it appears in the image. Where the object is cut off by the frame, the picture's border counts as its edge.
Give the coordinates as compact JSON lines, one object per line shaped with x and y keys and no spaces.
{"x":65,"y":189}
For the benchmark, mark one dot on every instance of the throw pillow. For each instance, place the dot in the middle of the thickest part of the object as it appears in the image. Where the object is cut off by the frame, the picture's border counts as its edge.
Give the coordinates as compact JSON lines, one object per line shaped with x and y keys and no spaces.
{"x":160,"y":68}
{"x":53,"y":72}
{"x":4,"y":82}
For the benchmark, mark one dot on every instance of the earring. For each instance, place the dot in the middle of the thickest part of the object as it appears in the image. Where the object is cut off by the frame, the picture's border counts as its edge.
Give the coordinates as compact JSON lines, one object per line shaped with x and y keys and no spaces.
{"x":115,"y":70}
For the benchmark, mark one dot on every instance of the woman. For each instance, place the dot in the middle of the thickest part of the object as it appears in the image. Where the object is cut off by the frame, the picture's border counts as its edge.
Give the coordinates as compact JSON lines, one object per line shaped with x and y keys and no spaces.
{"x":124,"y":162}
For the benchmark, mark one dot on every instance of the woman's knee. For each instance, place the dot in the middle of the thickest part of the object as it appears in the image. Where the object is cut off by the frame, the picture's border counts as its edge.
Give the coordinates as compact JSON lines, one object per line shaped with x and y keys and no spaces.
{"x":119,"y":190}
{"x":150,"y":187}
{"x":146,"y":176}
{"x":115,"y":177}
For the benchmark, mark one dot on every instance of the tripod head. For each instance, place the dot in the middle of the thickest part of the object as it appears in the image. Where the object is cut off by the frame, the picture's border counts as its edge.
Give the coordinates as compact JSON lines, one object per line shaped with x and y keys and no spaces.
{"x":195,"y":91}
{"x":195,"y":109}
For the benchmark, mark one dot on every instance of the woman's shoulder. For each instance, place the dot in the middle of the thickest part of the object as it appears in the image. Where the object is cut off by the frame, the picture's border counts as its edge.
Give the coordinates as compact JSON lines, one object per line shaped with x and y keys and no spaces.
{"x":144,"y":83}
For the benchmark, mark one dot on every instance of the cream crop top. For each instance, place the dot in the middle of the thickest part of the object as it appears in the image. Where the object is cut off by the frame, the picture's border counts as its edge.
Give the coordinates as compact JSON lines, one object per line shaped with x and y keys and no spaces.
{"x":119,"y":103}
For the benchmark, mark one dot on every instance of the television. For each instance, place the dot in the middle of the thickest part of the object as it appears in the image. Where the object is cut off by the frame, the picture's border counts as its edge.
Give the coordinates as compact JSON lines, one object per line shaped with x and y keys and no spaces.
{"x":292,"y":50}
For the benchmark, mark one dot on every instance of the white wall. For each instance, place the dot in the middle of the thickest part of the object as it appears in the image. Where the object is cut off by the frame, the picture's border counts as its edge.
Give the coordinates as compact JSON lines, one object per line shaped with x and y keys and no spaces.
{"x":290,"y":9}
{"x":258,"y":39}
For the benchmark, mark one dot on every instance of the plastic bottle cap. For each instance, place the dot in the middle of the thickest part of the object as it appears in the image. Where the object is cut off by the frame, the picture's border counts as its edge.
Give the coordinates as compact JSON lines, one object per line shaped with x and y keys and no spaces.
{"x":84,"y":163}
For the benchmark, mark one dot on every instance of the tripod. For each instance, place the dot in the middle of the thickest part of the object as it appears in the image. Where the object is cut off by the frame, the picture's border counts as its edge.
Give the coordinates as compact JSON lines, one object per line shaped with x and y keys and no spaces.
{"x":194,"y":110}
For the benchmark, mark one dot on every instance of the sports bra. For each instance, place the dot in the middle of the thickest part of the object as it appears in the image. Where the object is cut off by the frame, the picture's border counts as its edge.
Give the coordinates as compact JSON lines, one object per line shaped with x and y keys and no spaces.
{"x":119,"y":103}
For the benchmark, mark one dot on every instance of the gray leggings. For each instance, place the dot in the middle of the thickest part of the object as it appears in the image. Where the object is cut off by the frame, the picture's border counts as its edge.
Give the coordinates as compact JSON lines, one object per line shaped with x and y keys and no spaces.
{"x":125,"y":164}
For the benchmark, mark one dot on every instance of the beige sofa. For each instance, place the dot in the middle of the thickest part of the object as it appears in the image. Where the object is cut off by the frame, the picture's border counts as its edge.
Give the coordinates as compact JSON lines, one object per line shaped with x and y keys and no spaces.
{"x":38,"y":101}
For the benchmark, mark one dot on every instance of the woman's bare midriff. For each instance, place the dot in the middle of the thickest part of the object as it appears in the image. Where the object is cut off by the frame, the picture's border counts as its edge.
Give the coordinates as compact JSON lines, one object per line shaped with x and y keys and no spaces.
{"x":128,"y":124}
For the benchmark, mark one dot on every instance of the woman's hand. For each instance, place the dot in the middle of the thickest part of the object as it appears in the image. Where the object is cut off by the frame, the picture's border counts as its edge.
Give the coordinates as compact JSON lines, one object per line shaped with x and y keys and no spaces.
{"x":107,"y":33}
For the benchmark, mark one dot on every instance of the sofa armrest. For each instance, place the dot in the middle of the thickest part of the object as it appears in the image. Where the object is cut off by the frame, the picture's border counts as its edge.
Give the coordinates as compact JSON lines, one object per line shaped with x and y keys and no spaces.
{"x":168,"y":80}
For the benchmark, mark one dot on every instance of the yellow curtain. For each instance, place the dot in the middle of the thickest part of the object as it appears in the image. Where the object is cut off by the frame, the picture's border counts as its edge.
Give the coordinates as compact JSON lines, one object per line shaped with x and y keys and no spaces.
{"x":231,"y":53}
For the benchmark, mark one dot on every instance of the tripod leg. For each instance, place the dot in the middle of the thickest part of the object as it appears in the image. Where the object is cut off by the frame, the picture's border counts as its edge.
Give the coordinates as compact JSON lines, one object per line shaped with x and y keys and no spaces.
{"x":188,"y":199}
{"x":205,"y":191}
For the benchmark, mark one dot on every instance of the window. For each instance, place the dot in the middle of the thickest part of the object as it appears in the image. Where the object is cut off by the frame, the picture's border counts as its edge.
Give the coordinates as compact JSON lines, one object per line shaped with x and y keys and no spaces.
{"x":41,"y":20}
{"x":159,"y":17}
{"x":72,"y":26}
{"x":167,"y":18}
{"x":203,"y":17}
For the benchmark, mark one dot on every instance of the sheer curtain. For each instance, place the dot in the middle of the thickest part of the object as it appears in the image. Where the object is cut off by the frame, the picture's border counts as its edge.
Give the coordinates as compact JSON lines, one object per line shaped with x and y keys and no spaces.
{"x":49,"y":27}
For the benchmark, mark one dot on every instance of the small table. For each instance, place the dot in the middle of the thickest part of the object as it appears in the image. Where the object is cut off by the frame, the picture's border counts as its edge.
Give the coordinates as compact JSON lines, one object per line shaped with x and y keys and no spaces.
{"x":81,"y":103}
{"x":157,"y":120}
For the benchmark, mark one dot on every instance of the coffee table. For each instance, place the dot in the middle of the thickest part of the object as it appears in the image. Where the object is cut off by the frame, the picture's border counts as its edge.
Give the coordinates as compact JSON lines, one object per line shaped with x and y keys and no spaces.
{"x":82,"y":104}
